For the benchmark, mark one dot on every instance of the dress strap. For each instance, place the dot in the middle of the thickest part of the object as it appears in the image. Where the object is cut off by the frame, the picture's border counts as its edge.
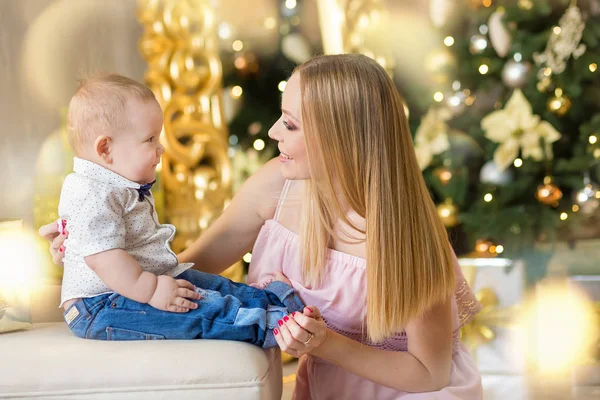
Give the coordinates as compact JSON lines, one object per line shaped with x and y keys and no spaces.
{"x":284,"y":191}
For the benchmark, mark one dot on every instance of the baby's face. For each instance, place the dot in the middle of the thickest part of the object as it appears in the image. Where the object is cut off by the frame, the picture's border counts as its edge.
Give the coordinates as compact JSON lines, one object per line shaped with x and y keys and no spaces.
{"x":136,"y":151}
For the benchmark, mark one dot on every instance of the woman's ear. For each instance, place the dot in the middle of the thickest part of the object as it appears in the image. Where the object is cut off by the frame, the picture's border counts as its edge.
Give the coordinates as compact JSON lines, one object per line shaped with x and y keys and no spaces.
{"x":102,"y":148}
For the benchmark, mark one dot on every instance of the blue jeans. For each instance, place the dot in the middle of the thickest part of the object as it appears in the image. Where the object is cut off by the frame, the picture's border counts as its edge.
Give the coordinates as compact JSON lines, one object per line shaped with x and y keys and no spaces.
{"x":227,"y":311}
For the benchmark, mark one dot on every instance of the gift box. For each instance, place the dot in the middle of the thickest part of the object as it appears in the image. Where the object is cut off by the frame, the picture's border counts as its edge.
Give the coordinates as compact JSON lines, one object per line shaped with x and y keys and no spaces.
{"x":587,"y":370}
{"x":18,"y":263}
{"x":499,"y":285}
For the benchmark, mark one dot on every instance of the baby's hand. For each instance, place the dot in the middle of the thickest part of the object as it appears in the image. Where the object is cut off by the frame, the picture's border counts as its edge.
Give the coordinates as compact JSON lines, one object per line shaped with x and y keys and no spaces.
{"x":172,"y":295}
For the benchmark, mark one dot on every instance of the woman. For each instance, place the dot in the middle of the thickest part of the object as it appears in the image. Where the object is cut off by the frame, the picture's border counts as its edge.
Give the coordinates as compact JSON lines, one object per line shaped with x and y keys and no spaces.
{"x":345,"y":215}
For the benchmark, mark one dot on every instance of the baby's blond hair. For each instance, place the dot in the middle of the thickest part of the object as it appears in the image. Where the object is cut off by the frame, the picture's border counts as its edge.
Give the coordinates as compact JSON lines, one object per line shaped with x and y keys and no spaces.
{"x":99,"y":106}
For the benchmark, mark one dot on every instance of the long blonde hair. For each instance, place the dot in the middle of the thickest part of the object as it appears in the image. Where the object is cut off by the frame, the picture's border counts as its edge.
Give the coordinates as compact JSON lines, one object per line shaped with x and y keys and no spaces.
{"x":361,"y":158}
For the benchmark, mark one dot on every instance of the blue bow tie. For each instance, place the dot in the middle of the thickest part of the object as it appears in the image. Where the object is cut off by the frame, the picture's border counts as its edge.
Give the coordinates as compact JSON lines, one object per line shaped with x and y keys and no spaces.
{"x":144,"y":190}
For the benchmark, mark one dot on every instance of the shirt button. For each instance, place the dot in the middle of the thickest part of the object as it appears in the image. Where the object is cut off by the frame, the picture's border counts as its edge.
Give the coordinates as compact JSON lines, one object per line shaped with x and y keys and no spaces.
{"x":113,"y":305}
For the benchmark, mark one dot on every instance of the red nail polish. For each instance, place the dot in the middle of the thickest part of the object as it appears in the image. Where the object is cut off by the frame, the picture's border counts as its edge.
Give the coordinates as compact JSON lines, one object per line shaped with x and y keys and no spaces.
{"x":63,"y":232}
{"x":308,"y":309}
{"x":60,"y":249}
{"x":280,"y":322}
{"x":276,"y":331}
{"x":286,"y":318}
{"x":294,"y":313}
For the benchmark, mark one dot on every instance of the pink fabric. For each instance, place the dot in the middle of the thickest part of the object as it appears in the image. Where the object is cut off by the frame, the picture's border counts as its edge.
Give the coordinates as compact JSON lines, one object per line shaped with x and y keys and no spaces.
{"x":338,"y":297}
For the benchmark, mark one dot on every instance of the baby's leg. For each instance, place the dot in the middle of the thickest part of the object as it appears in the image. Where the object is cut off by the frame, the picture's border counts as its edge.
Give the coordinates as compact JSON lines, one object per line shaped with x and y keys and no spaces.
{"x":277,"y":294}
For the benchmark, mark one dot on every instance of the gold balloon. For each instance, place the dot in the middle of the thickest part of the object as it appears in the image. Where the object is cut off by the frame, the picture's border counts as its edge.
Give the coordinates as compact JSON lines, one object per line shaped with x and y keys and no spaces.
{"x":560,"y":103}
{"x":448,"y":213}
{"x":184,"y":71}
{"x":548,"y":193}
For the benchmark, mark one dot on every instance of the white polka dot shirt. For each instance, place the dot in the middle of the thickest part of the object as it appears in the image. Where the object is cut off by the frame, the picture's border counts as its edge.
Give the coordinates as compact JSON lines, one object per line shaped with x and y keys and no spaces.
{"x":104,"y":212}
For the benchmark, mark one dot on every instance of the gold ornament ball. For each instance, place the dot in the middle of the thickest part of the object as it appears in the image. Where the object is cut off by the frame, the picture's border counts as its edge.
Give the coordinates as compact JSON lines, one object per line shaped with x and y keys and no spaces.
{"x":448,"y":213}
{"x":559,"y":104}
{"x":548,"y":193}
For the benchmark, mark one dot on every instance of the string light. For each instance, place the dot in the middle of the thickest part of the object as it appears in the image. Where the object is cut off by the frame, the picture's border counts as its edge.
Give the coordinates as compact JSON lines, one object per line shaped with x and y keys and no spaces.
{"x":593,"y":139}
{"x":233,"y":140}
{"x":270,"y":23}
{"x":247,"y":257}
{"x":240,"y":62}
{"x":290,"y":4}
{"x":483,"y":29}
{"x":593,"y":67}
{"x":259,"y":144}
{"x":518,"y":57}
{"x":575,"y":208}
{"x":483,"y":69}
{"x":564,"y":216}
{"x":499,"y":249}
{"x":547,"y":71}
{"x":236,"y":91}
{"x":238,"y":45}
{"x":487,"y":3}
{"x":449,"y":41}
{"x":224,"y":30}
{"x":518,"y":163}
{"x":282,"y":85}
{"x":488,"y":197}
{"x":438,"y":96}
{"x":556,"y":30}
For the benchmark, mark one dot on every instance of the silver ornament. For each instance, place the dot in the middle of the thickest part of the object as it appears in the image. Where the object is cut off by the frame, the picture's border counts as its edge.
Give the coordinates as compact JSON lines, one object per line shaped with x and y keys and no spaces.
{"x":499,"y":34}
{"x":514,"y":74}
{"x":587,"y":198}
{"x":478,"y":44}
{"x":490,"y":174}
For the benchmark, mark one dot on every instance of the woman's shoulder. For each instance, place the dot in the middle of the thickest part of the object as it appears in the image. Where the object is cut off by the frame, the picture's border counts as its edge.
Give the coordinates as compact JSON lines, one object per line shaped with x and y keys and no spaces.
{"x":265,"y":187}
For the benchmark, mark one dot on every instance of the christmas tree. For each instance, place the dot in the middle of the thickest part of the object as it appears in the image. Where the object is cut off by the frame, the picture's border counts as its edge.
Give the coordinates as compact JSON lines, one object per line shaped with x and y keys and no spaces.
{"x":508,"y":136}
{"x":510,"y":143}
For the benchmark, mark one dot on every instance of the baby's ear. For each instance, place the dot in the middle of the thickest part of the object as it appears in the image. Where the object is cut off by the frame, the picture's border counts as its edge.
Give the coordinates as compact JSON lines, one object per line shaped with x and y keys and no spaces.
{"x":102,"y":148}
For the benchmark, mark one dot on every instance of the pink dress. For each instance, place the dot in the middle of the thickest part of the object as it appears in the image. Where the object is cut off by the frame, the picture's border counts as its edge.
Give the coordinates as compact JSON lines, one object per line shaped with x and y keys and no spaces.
{"x":343,"y":286}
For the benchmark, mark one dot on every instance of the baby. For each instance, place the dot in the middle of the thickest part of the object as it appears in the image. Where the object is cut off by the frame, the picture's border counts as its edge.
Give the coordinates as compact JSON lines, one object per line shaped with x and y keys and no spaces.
{"x":121,"y":279}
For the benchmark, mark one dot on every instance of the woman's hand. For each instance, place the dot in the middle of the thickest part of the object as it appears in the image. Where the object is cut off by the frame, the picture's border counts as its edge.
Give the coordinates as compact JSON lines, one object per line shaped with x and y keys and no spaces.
{"x":56,"y":238}
{"x":300,"y":334}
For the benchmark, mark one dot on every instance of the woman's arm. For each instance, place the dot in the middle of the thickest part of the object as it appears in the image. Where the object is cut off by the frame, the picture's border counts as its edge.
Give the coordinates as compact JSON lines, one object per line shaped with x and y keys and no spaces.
{"x":425,"y":367}
{"x":233,"y":234}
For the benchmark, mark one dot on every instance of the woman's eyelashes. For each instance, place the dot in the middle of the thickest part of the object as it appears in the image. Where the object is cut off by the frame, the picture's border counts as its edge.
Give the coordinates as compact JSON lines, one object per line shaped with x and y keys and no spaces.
{"x":289,"y":126}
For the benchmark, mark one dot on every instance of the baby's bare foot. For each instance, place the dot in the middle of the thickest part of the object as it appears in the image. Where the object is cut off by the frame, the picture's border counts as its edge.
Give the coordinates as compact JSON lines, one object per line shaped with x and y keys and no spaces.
{"x":282,"y":278}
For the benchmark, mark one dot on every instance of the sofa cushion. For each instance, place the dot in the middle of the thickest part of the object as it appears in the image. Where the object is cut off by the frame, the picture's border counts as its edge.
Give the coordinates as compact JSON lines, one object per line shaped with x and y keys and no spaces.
{"x":49,"y":362}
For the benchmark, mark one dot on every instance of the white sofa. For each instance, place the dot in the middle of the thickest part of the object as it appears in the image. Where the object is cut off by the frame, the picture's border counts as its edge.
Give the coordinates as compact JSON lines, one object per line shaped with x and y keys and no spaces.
{"x":49,"y":362}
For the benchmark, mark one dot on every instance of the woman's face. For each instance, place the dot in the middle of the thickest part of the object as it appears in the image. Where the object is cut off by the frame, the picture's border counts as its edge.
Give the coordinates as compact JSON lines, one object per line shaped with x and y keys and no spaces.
{"x":289,"y":134}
